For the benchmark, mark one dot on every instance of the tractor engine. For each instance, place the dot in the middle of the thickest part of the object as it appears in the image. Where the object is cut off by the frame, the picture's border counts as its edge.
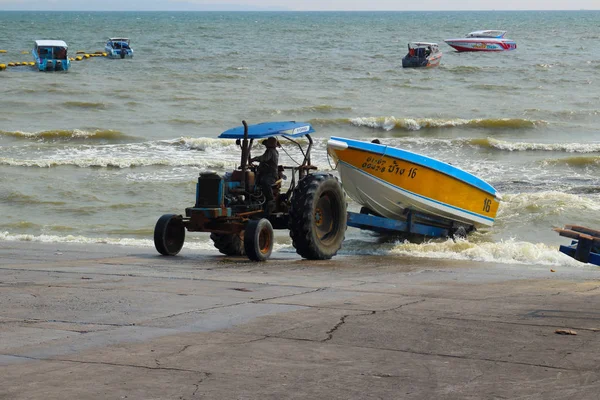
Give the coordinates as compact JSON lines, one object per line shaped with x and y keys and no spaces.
{"x":215,"y":191}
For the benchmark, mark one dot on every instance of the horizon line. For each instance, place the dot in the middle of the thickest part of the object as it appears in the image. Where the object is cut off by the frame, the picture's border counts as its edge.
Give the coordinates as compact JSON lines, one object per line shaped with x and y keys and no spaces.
{"x":291,"y":11}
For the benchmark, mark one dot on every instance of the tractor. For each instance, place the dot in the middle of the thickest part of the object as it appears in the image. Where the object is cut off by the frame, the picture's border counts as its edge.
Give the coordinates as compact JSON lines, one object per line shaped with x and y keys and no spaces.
{"x":234,"y":210}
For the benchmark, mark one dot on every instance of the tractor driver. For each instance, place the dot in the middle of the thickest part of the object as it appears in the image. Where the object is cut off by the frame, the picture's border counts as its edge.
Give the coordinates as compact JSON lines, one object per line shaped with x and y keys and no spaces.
{"x":267,"y":172}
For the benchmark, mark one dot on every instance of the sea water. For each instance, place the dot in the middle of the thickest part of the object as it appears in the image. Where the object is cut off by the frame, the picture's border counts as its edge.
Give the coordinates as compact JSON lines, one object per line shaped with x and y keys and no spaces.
{"x":99,"y":153}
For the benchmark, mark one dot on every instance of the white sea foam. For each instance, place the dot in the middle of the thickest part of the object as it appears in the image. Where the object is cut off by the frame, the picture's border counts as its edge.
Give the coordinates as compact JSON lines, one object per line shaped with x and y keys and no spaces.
{"x":115,"y":162}
{"x":563,"y":147}
{"x":74,"y":239}
{"x":205,"y":144}
{"x":508,"y":251}
{"x":546,"y":202}
{"x":198,"y":244}
{"x":415,"y":124}
{"x":67,"y":134}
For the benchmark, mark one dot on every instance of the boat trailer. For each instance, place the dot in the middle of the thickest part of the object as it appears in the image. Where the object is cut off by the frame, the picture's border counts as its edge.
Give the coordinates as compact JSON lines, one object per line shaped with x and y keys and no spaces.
{"x":413,"y":224}
{"x":585,"y":247}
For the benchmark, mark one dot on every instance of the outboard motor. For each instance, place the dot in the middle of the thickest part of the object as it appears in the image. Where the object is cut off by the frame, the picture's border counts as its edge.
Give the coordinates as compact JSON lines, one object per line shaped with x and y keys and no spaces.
{"x":123,"y":52}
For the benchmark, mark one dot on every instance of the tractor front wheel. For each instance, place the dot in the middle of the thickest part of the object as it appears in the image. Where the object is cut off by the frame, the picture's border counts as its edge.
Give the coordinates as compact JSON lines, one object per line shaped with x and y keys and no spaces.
{"x":169,"y":234}
{"x":259,"y":239}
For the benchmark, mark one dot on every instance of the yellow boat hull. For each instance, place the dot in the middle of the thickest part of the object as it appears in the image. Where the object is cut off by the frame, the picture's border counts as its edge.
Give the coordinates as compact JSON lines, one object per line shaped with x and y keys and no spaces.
{"x":388,"y":185}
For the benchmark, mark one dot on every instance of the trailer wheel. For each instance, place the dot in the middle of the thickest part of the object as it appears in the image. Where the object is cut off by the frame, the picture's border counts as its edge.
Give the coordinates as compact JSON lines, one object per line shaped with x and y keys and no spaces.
{"x":259,"y":239}
{"x":318,"y":217}
{"x":169,"y":234}
{"x":230,"y":244}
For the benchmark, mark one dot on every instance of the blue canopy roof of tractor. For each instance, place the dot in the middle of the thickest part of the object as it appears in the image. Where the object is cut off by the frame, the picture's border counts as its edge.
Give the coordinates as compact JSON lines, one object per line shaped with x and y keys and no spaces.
{"x":266,"y":129}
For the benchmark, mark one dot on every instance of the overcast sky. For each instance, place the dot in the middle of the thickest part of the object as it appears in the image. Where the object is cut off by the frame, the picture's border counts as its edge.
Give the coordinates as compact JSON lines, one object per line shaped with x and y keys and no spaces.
{"x":297,"y":5}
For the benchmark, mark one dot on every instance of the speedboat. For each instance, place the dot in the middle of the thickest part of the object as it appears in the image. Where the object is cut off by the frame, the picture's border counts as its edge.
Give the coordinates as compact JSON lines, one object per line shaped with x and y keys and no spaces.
{"x":392,"y":182}
{"x":118,"y":48}
{"x":422,"y":54}
{"x":51,"y":55}
{"x":490,"y":40}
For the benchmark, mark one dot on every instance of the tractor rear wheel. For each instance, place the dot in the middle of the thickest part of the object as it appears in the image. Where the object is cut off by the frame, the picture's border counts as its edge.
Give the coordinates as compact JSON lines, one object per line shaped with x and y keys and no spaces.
{"x":318,"y":217}
{"x":230,"y":244}
{"x":169,"y":234}
{"x":259,"y":239}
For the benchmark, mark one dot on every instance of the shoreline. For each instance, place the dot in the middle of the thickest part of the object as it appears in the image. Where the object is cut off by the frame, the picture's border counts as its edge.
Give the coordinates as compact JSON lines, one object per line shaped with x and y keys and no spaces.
{"x":103,"y":321}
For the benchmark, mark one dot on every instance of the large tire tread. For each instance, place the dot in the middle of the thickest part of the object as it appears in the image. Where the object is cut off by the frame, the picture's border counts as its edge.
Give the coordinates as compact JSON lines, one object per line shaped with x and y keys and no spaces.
{"x":302,"y":217}
{"x":230,"y":244}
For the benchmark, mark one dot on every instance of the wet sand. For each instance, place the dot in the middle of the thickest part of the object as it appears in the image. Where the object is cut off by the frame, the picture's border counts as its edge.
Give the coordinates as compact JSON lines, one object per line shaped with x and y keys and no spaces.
{"x":110,"y":322}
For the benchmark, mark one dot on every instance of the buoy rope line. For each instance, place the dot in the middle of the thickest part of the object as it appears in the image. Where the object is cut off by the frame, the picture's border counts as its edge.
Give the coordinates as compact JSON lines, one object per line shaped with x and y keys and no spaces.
{"x":81,"y":55}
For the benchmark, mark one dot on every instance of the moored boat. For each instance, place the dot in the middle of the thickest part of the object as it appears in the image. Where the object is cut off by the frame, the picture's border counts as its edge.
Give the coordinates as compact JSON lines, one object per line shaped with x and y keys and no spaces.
{"x":391,"y":181}
{"x":422,"y":55}
{"x":118,"y":48}
{"x":51,"y":55}
{"x":489,"y":40}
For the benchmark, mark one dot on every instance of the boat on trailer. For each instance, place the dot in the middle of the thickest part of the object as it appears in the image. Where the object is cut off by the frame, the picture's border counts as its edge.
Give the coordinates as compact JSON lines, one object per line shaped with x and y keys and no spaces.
{"x":487,"y":40}
{"x":51,"y":55}
{"x":395,"y":184}
{"x":118,"y":48}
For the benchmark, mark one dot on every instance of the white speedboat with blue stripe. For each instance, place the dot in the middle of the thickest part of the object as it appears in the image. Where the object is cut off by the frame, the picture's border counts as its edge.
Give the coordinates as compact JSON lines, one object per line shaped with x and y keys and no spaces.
{"x":118,"y":48}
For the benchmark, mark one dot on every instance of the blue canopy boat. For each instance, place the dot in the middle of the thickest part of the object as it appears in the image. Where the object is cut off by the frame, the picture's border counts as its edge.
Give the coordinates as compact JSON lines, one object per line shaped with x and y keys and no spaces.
{"x":51,"y":55}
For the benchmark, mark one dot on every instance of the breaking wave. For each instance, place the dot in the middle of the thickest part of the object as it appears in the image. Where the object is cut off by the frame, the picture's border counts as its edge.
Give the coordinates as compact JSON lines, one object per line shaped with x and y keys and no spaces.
{"x":117,"y":162}
{"x":580,"y":162}
{"x":204,"y":144}
{"x":415,"y":124}
{"x":535,"y":214}
{"x":27,"y":200}
{"x":73,"y":134}
{"x":208,"y":153}
{"x":546,"y":203}
{"x":524,"y":146}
